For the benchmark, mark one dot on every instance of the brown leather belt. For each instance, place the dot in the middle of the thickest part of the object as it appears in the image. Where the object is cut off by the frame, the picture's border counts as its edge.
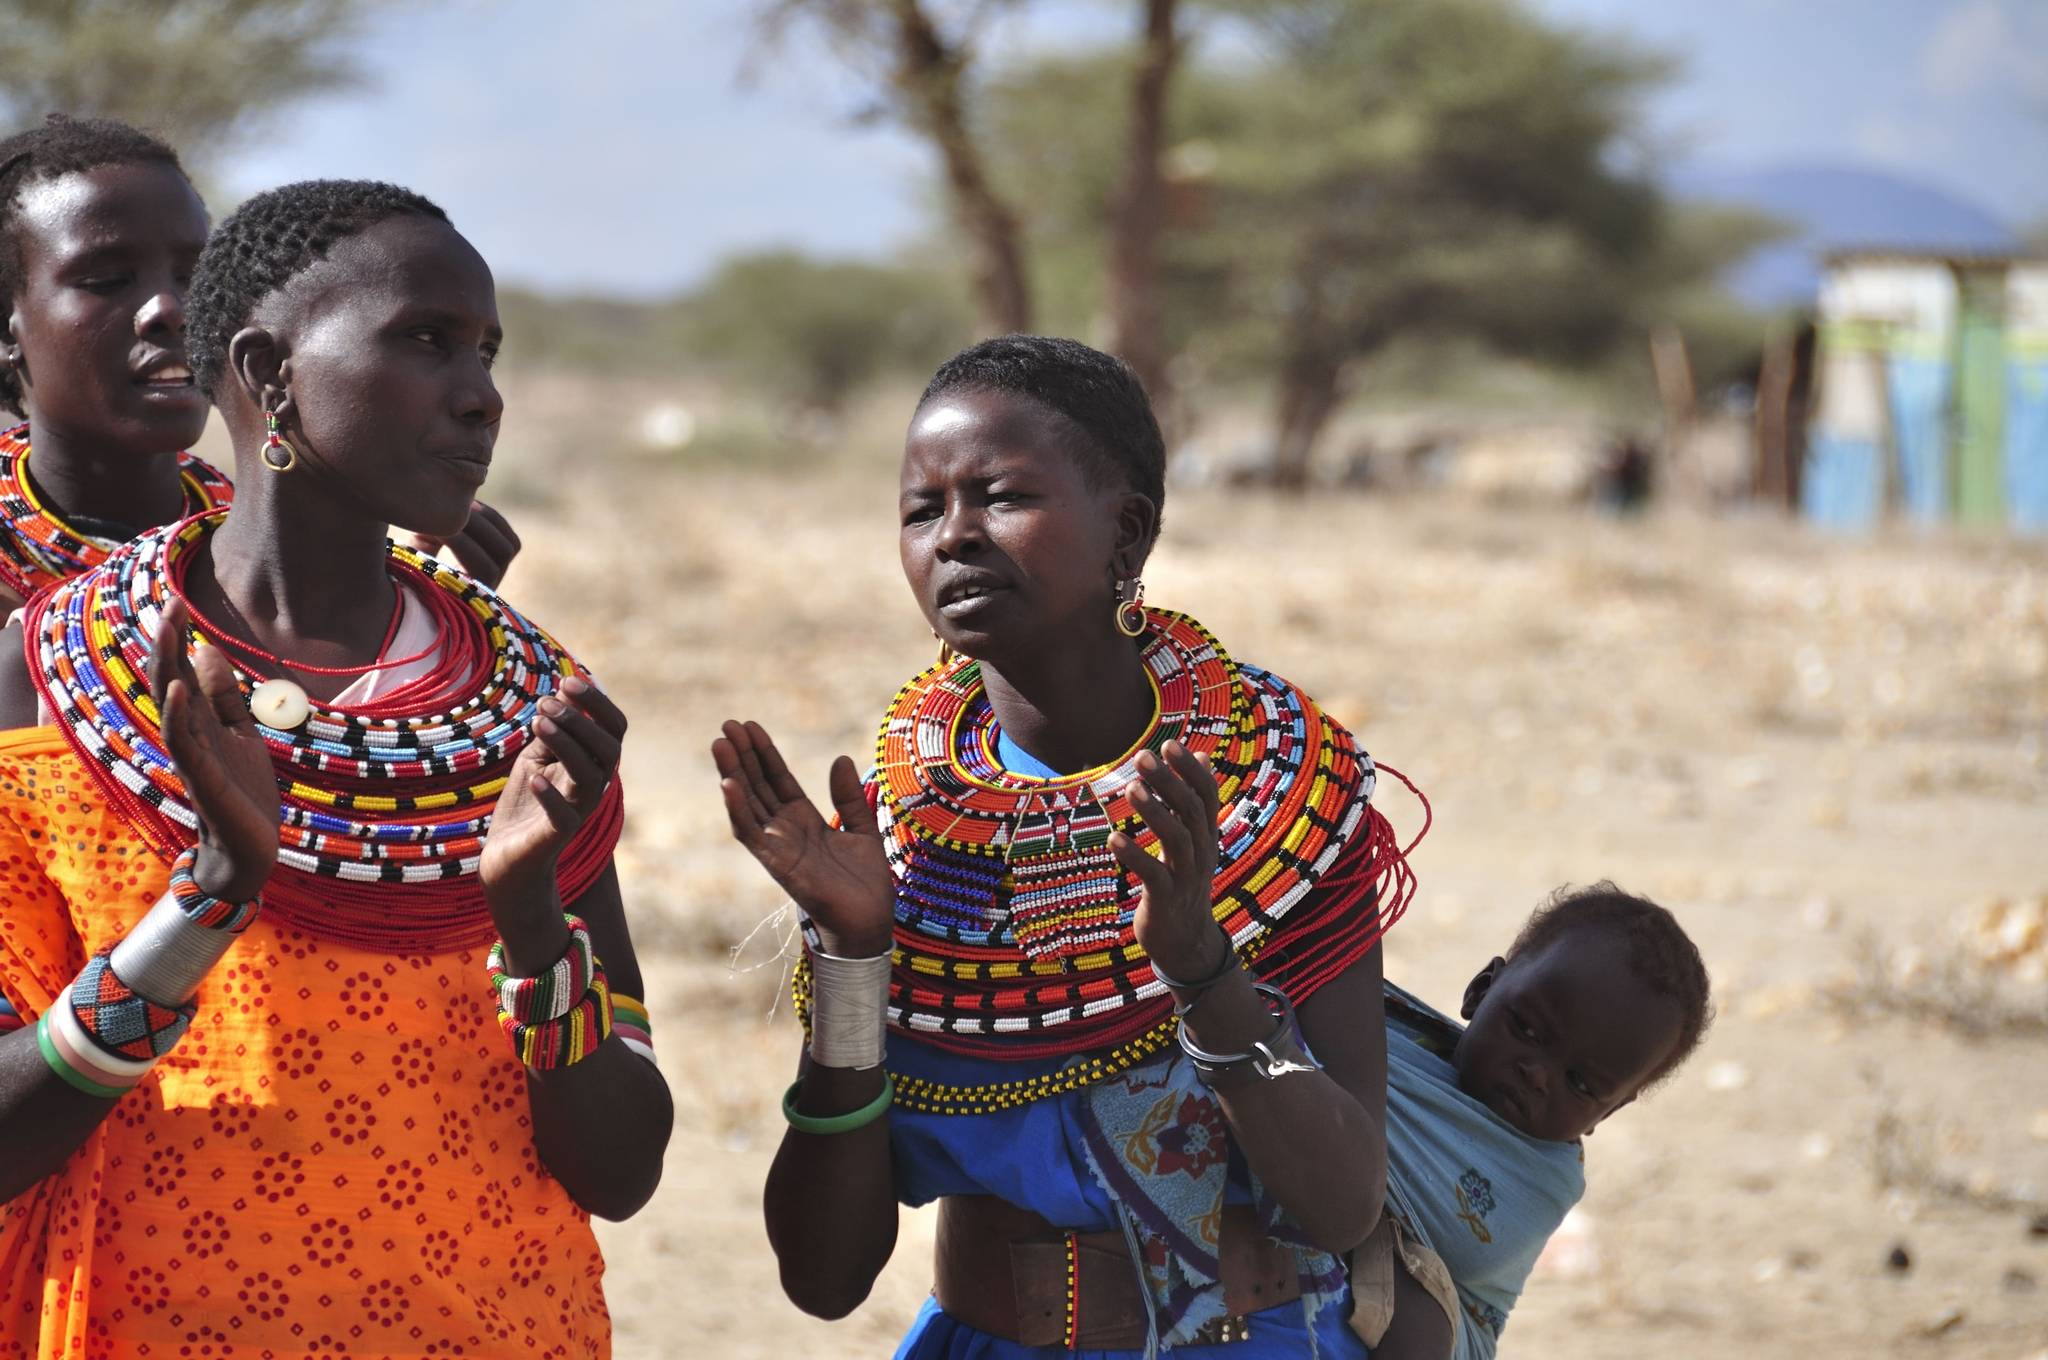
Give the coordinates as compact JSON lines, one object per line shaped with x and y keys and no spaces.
{"x":1003,"y":1270}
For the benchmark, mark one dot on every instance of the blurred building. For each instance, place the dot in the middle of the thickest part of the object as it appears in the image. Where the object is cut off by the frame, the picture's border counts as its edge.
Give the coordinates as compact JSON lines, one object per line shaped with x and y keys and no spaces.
{"x":1931,"y":391}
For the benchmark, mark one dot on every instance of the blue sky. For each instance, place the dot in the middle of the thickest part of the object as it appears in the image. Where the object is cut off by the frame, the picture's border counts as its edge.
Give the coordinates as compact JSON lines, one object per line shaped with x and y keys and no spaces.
{"x":625,"y":147}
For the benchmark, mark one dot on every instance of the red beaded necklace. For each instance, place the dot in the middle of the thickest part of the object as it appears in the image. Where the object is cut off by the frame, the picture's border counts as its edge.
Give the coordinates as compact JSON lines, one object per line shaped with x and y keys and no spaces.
{"x":221,"y":637}
{"x":385,"y":805}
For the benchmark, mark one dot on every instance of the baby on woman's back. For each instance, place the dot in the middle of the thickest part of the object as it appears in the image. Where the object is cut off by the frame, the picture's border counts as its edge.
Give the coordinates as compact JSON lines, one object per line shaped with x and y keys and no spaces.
{"x":1601,"y":996}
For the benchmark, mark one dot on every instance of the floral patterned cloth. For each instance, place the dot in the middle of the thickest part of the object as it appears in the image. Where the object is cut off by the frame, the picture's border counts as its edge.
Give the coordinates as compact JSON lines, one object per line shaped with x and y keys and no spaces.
{"x":337,"y":1161}
{"x":1157,"y":1141}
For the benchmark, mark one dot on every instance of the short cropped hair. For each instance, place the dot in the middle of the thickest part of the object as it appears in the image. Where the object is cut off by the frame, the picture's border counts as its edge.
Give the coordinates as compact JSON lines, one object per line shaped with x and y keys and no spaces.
{"x":1659,"y":952}
{"x":269,"y":241}
{"x":60,"y":145}
{"x":1096,"y":392}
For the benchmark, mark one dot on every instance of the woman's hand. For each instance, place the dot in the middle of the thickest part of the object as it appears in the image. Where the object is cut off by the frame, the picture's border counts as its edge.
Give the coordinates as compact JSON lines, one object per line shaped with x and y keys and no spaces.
{"x":1175,"y":924}
{"x":558,"y":780}
{"x":218,"y":753}
{"x":485,"y":547}
{"x":838,"y":877}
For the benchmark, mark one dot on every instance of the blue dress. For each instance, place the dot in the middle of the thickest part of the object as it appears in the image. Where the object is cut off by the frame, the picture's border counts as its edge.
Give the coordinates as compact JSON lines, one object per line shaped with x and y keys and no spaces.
{"x":1032,"y":1156}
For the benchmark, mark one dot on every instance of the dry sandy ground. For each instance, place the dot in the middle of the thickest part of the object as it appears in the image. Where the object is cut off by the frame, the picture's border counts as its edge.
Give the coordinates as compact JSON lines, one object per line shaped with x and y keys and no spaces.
{"x":1803,"y":745}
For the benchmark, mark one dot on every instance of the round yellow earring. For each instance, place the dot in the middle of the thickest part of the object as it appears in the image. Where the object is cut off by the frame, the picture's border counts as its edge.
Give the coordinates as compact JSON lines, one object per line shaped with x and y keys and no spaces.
{"x":278,"y":453}
{"x":1130,"y":613}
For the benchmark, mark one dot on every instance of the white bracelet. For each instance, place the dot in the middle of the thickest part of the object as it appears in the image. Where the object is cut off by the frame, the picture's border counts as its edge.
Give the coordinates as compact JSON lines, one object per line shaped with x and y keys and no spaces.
{"x":849,"y":1010}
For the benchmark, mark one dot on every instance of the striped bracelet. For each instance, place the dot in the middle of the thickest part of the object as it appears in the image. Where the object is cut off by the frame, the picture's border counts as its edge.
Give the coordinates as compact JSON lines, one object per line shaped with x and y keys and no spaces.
{"x":631,"y":1023}
{"x":552,"y":994}
{"x":568,"y":1038}
{"x":204,"y":909}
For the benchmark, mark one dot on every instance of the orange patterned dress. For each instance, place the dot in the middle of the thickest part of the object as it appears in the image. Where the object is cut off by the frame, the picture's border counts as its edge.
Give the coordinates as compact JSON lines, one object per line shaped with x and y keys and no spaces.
{"x":336,"y":1161}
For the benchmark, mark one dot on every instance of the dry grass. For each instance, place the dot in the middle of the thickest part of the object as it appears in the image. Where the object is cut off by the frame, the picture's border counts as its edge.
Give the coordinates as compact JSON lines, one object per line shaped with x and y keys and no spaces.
{"x":1950,"y":990}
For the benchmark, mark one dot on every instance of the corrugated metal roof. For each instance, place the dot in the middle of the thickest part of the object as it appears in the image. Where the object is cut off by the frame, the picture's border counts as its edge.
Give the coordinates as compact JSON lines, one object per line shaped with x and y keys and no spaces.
{"x":1953,"y":259}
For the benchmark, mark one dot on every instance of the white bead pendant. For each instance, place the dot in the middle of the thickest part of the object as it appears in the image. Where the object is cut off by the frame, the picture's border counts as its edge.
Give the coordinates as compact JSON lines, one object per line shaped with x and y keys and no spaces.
{"x":280,"y":705}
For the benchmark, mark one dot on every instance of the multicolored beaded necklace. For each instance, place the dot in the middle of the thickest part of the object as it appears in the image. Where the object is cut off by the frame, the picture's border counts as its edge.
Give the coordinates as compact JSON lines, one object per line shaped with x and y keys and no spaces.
{"x":1014,"y":935}
{"x":37,"y":550}
{"x":385,"y":805}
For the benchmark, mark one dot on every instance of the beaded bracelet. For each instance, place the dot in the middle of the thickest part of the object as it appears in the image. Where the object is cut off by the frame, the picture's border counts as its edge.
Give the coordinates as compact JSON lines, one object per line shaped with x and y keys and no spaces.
{"x":552,"y":994}
{"x":101,"y":1037}
{"x":568,"y":1038}
{"x":837,"y":1123}
{"x":121,"y":1021}
{"x":201,"y":908}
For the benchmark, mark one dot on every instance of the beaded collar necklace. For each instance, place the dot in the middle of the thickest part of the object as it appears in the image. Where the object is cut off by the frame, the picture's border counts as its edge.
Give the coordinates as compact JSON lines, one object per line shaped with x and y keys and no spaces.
{"x":1014,"y":934}
{"x":385,"y":805}
{"x":37,"y":549}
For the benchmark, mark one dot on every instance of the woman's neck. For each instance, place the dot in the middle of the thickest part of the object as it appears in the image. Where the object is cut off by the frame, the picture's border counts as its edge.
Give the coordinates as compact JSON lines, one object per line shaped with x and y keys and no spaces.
{"x":83,"y":479}
{"x":1073,"y":707}
{"x":304,"y":578}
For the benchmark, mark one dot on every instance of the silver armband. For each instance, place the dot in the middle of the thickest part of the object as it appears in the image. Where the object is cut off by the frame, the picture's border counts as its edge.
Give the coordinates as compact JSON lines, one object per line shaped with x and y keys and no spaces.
{"x":849,"y":1010}
{"x":168,"y":954}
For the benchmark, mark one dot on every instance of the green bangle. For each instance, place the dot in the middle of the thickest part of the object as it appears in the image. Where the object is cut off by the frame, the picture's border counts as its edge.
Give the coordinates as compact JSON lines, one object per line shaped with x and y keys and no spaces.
{"x":64,"y":1069}
{"x":837,"y":1123}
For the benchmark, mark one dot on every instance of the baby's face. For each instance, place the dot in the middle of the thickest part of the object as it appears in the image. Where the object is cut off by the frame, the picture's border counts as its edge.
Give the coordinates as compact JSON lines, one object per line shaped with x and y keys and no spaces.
{"x":1561,"y":1038}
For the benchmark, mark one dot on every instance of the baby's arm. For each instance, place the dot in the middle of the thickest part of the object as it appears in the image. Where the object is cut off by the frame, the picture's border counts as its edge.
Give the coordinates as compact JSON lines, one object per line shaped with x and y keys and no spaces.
{"x":1421,"y":1330}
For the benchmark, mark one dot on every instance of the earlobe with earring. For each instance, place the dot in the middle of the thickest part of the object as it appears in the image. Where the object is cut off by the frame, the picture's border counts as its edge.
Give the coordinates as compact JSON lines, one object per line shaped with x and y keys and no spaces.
{"x":1130,"y":607}
{"x":946,"y":652}
{"x":278,"y":453}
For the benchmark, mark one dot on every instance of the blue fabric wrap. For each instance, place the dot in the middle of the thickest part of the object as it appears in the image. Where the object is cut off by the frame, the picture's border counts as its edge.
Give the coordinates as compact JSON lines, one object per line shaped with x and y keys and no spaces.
{"x":1480,"y":1193}
{"x":1035,"y":1157}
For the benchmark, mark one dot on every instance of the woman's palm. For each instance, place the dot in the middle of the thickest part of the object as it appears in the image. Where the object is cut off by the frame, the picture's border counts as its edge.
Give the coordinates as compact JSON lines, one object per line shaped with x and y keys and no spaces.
{"x":221,"y":757}
{"x":836,"y":873}
{"x":839,"y":876}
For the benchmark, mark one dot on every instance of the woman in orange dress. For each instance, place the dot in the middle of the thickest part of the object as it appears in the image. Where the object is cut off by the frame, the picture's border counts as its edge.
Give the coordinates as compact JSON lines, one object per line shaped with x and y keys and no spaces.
{"x":308,"y":1058}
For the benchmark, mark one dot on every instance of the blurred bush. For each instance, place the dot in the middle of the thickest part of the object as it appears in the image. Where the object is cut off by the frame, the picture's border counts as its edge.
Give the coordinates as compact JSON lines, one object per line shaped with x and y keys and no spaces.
{"x":818,"y":330}
{"x":786,"y":326}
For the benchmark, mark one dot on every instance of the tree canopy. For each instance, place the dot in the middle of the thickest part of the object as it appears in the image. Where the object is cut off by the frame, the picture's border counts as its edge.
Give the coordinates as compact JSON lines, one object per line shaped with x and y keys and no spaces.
{"x":197,"y":71}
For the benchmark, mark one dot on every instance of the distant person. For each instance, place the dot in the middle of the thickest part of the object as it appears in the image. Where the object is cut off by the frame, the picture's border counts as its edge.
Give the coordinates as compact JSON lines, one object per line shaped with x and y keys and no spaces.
{"x":1086,"y":822}
{"x":1622,"y":482}
{"x":1600,"y":997}
{"x":323,"y":1031}
{"x":99,"y":230}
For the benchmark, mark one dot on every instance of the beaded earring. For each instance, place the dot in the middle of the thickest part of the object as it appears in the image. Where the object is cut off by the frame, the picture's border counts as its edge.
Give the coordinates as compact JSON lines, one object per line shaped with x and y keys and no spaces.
{"x":275,"y":440}
{"x":1130,"y":611}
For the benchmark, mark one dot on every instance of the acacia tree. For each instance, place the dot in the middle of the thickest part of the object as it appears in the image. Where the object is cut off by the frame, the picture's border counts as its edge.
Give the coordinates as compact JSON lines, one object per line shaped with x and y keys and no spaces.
{"x":920,"y":57}
{"x":1139,"y":219}
{"x":1432,"y":167}
{"x":1381,"y":170}
{"x":198,"y":71}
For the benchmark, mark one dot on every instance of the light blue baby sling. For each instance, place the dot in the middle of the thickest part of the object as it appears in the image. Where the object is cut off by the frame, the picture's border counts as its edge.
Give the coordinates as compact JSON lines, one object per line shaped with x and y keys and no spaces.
{"x":1482,"y":1195}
